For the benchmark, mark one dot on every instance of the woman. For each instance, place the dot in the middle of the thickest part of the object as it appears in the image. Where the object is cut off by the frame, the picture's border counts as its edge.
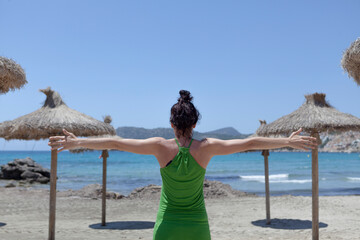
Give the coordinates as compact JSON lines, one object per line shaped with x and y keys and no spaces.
{"x":183,"y":162}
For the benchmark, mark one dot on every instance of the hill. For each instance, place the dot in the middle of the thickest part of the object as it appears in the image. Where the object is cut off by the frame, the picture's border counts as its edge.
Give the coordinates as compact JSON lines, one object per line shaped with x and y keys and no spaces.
{"x":225,"y":131}
{"x":142,"y":133}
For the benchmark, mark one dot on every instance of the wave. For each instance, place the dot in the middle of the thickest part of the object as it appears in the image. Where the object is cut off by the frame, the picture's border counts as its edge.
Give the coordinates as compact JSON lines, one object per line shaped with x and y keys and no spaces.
{"x":222,"y":177}
{"x":274,"y":178}
{"x":353,"y":179}
{"x":262,"y":177}
{"x":292,"y":181}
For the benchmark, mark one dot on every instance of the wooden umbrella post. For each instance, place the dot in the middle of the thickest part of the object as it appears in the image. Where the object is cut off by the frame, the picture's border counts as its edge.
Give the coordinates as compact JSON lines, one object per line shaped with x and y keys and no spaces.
{"x":105,"y":155}
{"x":52,"y":209}
{"x":315,"y":190}
{"x":265,"y":153}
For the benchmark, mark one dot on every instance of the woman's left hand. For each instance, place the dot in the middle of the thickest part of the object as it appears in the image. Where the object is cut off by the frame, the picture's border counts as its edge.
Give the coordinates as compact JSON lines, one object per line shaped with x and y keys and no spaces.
{"x":61,"y":143}
{"x":302,"y":142}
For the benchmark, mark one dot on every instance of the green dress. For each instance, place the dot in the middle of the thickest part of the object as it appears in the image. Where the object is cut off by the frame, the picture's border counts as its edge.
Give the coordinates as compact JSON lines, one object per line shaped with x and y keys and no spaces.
{"x":182,"y":214}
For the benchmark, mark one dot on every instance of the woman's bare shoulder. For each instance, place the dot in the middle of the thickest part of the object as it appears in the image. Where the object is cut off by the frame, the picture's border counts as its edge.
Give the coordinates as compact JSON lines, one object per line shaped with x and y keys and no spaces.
{"x":206,"y":142}
{"x":167,"y":143}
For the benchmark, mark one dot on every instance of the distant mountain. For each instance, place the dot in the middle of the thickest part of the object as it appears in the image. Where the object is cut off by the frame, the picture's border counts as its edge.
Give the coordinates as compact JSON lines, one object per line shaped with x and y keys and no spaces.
{"x":142,"y":133}
{"x":225,"y":131}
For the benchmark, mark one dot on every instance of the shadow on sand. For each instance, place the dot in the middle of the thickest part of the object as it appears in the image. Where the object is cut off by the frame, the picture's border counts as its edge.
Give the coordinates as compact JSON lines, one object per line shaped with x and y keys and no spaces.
{"x":124,"y":225}
{"x":2,"y":224}
{"x":290,"y":224}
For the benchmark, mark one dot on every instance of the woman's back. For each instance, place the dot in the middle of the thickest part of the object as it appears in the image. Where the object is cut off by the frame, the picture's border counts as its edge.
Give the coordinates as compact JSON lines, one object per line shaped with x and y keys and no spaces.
{"x":182,"y":213}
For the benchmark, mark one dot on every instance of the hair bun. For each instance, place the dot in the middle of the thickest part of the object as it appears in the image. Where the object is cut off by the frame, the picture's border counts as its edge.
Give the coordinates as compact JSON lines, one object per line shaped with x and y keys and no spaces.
{"x":185,"y":96}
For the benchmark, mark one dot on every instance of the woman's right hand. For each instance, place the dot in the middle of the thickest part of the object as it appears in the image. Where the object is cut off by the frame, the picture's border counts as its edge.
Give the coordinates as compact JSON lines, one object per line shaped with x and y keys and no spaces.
{"x":61,"y":143}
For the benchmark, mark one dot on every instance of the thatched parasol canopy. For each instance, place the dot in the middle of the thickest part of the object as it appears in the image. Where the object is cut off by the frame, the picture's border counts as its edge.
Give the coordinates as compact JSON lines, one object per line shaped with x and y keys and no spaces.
{"x":315,"y":114}
{"x":107,"y":120}
{"x":351,"y":61}
{"x":12,"y":76}
{"x":50,"y":119}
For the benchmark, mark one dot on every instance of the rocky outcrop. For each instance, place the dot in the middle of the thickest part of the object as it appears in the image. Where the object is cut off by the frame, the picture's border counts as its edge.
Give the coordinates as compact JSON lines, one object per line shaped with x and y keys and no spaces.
{"x":340,"y":142}
{"x":93,"y":191}
{"x":25,"y":169}
{"x":216,"y":189}
{"x":148,"y":192}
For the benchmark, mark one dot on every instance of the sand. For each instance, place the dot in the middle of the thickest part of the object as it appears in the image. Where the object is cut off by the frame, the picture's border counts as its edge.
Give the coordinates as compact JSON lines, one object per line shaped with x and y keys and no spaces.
{"x":24,"y":215}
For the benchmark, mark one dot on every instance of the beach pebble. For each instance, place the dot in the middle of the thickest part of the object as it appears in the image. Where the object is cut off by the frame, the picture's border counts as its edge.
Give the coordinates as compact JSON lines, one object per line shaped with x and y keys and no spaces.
{"x":10,"y":185}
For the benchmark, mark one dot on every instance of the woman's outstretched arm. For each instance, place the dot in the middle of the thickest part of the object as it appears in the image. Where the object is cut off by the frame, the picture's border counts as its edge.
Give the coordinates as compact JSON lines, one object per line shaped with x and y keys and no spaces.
{"x":140,"y":146}
{"x":223,"y":147}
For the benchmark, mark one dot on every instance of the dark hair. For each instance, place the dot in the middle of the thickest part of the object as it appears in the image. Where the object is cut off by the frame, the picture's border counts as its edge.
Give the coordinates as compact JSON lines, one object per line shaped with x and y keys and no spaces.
{"x":184,"y":114}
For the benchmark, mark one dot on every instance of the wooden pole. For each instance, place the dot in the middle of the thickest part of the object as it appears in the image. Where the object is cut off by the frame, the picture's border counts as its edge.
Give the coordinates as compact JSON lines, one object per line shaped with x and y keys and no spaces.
{"x":315,"y":190}
{"x":104,"y":155}
{"x":52,"y":208}
{"x":265,"y":153}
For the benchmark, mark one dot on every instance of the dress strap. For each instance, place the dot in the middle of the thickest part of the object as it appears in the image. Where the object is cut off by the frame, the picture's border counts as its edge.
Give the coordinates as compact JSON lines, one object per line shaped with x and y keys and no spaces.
{"x":177,"y":142}
{"x":190,"y":142}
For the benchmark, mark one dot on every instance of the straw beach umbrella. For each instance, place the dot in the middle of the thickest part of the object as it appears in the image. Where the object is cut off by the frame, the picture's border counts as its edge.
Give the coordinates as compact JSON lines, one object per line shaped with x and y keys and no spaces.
{"x":351,"y":61}
{"x":314,"y":116}
{"x":49,"y":121}
{"x":12,"y":76}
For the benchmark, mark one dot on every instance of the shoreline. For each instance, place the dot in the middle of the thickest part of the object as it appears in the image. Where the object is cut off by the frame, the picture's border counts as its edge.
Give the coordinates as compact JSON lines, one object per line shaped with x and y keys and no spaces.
{"x":229,"y":218}
{"x":93,"y":187}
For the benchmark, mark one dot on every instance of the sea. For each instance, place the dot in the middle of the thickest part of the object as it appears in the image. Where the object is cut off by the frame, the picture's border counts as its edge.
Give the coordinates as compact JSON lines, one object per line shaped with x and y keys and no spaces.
{"x":289,"y":172}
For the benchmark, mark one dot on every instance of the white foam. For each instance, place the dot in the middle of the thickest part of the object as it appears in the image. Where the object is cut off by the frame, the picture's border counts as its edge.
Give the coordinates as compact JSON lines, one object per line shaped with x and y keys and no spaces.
{"x":275,"y":178}
{"x":261,"y":178}
{"x":292,"y":181}
{"x":353,"y":179}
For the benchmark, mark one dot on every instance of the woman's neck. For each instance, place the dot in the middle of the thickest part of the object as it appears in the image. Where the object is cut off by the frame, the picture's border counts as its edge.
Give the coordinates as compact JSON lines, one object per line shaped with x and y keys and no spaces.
{"x":183,"y":141}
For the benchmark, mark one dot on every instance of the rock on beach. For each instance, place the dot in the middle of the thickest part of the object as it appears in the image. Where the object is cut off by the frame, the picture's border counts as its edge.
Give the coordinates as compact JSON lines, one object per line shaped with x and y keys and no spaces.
{"x":25,"y":169}
{"x":93,"y":191}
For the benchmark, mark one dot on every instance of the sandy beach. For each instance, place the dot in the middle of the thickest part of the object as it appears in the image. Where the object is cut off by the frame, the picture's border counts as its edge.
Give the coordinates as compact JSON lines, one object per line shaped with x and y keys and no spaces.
{"x":24,"y":215}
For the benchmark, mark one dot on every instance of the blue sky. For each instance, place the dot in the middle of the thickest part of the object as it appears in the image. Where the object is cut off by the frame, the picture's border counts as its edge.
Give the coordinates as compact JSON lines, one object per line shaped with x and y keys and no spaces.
{"x":242,"y":60}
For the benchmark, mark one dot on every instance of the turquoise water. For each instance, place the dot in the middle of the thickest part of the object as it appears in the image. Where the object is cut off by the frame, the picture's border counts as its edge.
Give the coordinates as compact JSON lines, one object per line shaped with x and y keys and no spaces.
{"x":290,"y":173}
